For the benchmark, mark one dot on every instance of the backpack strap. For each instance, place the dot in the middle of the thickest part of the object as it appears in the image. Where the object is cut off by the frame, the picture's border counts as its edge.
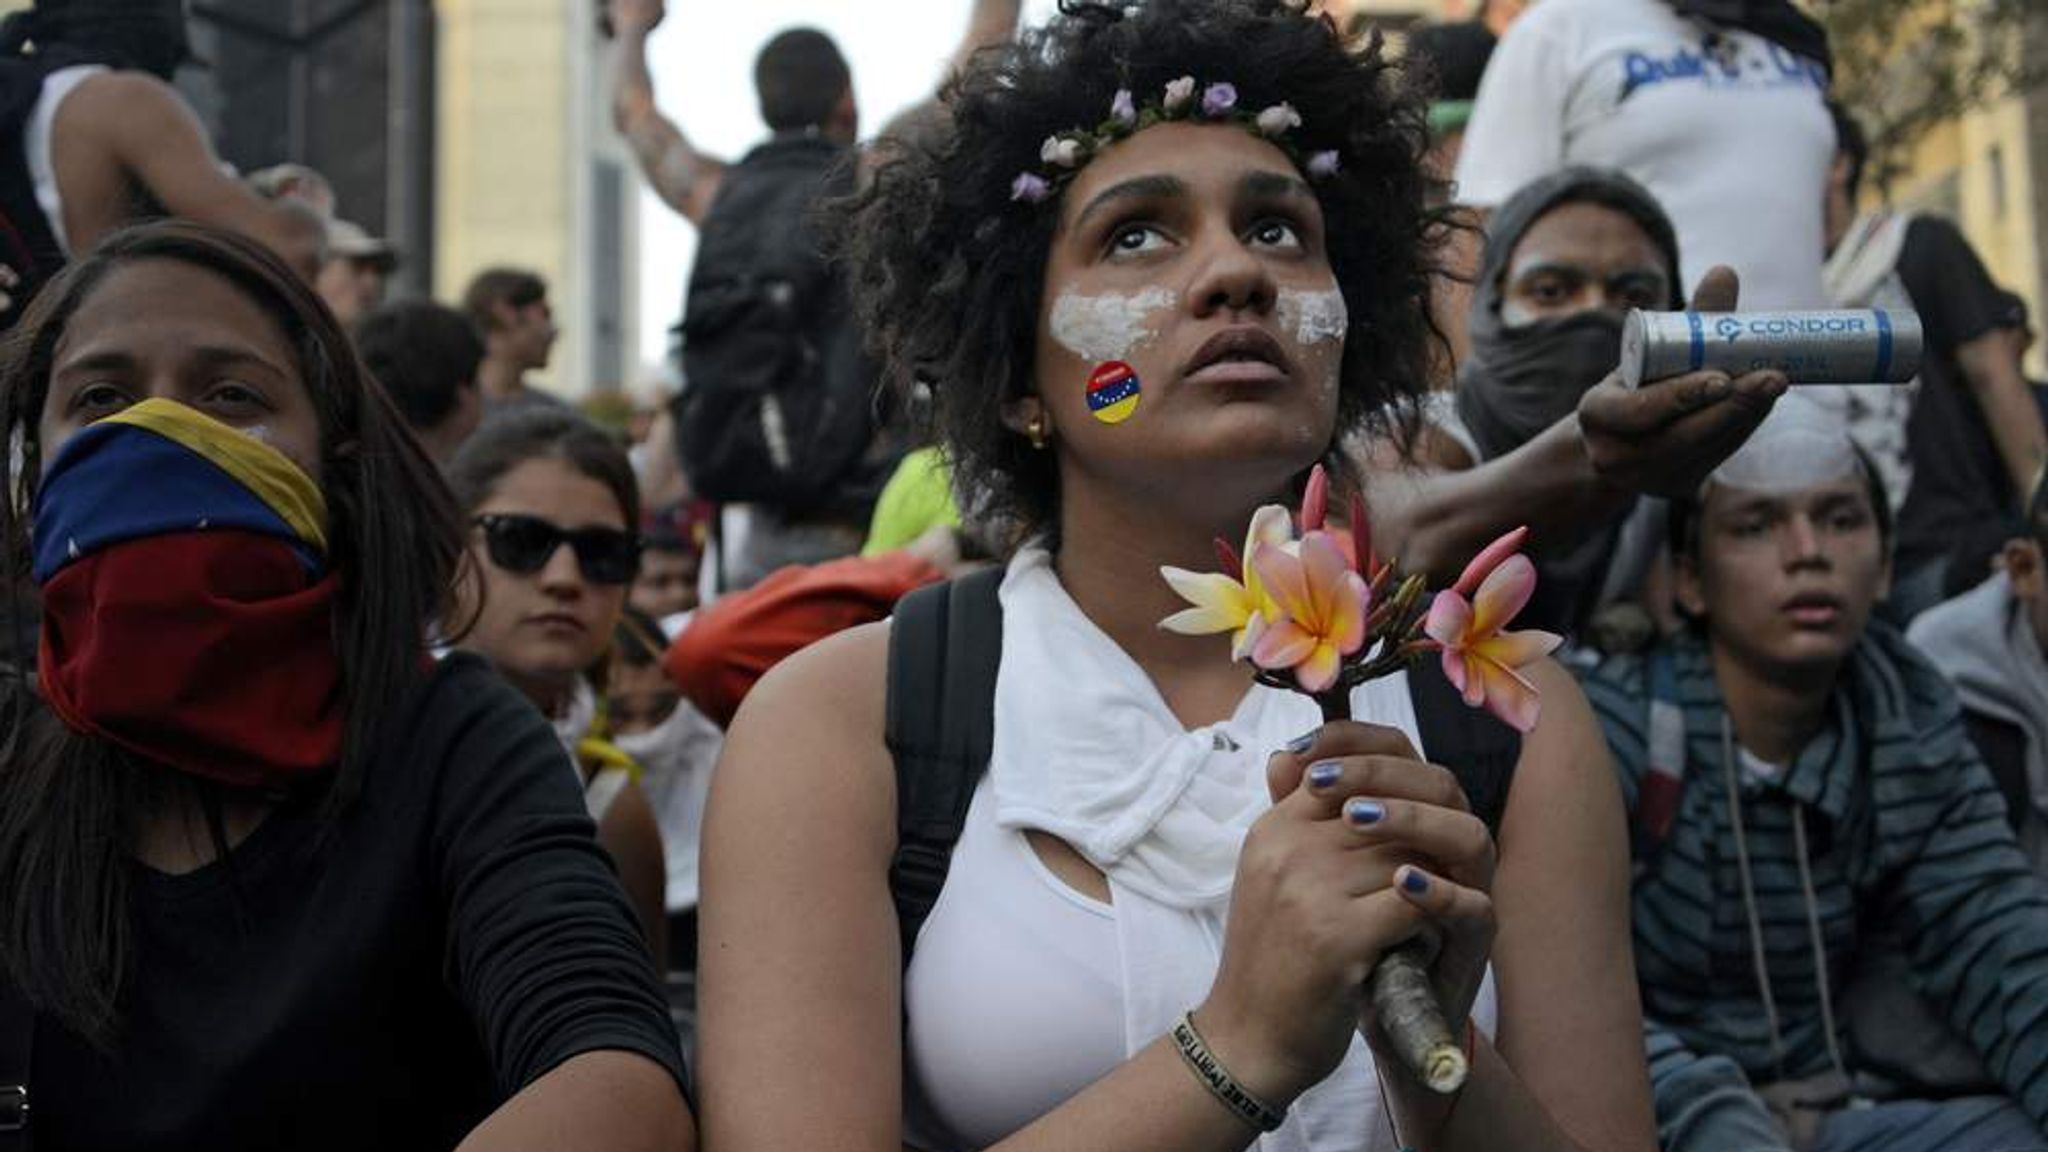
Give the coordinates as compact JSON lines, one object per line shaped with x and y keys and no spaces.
{"x":1662,"y":783}
{"x":945,"y":645}
{"x":1475,"y":745}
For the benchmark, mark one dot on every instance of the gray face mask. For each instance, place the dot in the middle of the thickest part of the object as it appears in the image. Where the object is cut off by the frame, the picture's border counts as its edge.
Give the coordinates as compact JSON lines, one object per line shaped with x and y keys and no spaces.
{"x":1526,"y":379}
{"x":1521,"y":379}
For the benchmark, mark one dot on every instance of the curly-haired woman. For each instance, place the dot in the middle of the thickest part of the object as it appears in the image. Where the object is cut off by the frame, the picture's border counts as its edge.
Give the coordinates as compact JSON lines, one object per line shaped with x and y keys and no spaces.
{"x":1171,"y":255}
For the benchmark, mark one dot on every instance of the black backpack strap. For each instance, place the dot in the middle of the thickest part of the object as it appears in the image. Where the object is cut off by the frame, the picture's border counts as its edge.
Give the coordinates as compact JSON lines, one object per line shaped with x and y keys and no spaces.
{"x":1472,"y":743}
{"x":17,"y":1039}
{"x":944,"y":648}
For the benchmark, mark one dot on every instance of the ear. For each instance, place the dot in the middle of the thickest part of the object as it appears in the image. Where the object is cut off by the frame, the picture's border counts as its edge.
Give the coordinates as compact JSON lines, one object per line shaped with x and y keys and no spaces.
{"x":2024,"y":566}
{"x":1685,"y":586}
{"x":1020,"y":414}
{"x":1838,"y":173}
{"x":846,"y":115}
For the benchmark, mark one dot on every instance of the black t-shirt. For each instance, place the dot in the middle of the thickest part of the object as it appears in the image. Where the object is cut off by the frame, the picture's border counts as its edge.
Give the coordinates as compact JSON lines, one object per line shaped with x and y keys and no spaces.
{"x":1959,"y":485}
{"x":457,"y":935}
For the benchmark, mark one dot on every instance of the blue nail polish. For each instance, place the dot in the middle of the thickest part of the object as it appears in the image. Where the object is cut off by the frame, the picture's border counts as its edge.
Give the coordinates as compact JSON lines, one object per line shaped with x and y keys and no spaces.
{"x":1364,"y":813}
{"x":1303,"y":742}
{"x":1416,"y":881}
{"x":1325,"y":774}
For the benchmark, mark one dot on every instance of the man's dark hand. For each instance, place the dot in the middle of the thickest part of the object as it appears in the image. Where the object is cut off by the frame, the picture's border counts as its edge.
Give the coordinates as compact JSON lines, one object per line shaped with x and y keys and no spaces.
{"x":1666,"y":437}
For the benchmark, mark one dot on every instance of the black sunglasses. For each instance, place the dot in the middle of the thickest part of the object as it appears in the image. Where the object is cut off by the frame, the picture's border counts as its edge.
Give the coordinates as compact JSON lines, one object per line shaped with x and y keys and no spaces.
{"x":525,"y":544}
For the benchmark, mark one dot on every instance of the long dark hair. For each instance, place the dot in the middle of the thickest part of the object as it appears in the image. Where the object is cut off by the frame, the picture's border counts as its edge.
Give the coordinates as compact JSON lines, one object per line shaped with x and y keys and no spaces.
{"x":71,"y":804}
{"x":506,"y":442}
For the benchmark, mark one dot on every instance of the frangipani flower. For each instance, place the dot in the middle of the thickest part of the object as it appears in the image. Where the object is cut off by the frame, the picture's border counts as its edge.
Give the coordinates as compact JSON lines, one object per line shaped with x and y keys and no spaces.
{"x":1481,"y":658}
{"x":1322,"y":606}
{"x":1315,"y":501}
{"x":1223,"y":603}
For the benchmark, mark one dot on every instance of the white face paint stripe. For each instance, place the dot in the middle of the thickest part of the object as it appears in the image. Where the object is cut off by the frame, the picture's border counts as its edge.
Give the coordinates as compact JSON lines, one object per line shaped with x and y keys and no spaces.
{"x":1315,"y":317}
{"x":1108,"y":327}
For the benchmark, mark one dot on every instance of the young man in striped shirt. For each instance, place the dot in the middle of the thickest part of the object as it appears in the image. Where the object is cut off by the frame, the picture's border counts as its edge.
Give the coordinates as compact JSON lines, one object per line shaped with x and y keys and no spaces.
{"x":1807,"y":805}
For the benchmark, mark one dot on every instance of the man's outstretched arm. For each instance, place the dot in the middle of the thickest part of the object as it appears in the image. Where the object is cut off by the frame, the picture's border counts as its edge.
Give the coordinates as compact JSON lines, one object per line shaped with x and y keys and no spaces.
{"x":992,"y":22}
{"x":686,"y":179}
{"x":148,"y":130}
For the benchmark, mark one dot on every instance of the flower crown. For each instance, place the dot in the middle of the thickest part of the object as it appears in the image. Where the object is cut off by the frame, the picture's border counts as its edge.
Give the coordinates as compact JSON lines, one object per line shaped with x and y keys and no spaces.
{"x":1064,"y":153}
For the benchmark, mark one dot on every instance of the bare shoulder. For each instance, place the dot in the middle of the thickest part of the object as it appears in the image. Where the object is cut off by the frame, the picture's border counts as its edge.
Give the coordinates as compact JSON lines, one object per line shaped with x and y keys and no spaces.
{"x":125,"y":101}
{"x":841,"y":681}
{"x":1563,"y":781}
{"x":812,"y":731}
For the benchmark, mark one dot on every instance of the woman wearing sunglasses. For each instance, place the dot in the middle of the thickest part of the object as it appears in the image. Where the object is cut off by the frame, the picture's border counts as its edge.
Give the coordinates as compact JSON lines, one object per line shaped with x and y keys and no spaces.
{"x":550,"y":499}
{"x":271,"y":877}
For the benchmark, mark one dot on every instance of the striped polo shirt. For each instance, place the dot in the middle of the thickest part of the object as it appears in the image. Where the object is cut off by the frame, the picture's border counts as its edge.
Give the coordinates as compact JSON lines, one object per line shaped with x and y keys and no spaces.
{"x":1907,"y":839}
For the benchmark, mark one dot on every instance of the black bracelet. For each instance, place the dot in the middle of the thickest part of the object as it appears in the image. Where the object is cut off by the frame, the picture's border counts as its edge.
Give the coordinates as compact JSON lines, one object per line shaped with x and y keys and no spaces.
{"x":1219,"y":1081}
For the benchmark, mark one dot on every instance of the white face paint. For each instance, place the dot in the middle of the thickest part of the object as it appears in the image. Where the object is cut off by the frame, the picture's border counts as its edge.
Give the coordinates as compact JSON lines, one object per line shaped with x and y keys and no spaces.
{"x":1108,"y":327}
{"x":1314,"y":317}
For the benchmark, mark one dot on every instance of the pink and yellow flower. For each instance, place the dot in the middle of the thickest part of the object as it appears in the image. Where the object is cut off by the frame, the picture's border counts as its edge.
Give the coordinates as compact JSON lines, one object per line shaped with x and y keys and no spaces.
{"x":1236,"y":604}
{"x":1322,"y":606}
{"x":1481,"y":658}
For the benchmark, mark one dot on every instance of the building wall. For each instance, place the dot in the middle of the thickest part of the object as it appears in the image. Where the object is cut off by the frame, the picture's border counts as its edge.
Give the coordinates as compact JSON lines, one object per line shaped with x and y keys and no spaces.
{"x":524,"y":149}
{"x":1988,"y":171}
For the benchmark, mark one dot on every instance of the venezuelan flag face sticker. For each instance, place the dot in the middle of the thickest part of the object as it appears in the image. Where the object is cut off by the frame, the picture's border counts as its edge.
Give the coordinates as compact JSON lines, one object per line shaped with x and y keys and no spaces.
{"x":1114,"y":392}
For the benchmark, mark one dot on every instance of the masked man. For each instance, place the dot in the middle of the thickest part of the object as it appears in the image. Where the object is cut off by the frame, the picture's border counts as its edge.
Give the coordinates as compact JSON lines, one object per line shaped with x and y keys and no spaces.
{"x":1532,"y":435}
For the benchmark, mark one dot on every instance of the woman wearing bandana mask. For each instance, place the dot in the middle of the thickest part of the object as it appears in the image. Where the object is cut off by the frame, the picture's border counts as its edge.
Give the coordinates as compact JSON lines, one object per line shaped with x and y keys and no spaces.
{"x":272,"y":877}
{"x":1532,"y":435}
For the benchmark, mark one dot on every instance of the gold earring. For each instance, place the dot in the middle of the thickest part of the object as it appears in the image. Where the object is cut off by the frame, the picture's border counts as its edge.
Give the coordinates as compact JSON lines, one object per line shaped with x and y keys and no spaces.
{"x":1035,"y":432}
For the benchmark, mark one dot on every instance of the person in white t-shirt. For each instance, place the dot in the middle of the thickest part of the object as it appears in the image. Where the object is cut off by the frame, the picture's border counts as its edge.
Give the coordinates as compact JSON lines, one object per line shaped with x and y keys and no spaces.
{"x":1723,"y":121}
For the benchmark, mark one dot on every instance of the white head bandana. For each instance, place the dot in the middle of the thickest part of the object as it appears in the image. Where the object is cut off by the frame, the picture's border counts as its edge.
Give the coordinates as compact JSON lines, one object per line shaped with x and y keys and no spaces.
{"x":1800,"y":445}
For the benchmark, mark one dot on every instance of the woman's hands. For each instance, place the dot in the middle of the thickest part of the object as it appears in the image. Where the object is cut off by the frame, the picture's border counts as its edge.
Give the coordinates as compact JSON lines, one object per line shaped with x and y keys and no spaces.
{"x":1366,"y":847}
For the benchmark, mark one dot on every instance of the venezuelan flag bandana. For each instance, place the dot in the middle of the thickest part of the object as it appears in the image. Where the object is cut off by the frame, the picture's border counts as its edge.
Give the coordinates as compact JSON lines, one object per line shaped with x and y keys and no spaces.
{"x":188,"y":615}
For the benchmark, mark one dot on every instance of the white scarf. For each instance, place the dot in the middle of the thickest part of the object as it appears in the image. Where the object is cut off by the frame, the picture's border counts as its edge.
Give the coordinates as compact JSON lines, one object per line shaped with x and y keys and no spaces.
{"x":1867,"y":256}
{"x":1862,"y":272}
{"x":575,"y":723}
{"x":676,"y":759}
{"x":1086,"y":749}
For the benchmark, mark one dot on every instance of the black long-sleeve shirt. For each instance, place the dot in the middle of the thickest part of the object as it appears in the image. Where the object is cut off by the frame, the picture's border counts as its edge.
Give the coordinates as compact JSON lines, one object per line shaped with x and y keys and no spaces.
{"x":457,"y":935}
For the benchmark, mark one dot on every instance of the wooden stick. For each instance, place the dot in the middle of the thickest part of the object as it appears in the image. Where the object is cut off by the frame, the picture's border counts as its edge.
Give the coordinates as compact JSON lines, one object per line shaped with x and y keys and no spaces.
{"x":1403,"y":998}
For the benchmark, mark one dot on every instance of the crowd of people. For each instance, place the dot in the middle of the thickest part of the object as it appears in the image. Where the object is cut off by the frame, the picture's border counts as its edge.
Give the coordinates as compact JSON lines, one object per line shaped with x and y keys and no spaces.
{"x":393,"y":755}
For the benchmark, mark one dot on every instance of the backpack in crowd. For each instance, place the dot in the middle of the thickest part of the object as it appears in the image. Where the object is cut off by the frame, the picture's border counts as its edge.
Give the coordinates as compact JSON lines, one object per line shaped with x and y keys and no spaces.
{"x":27,"y":243}
{"x":945,"y":645}
{"x":778,"y":402}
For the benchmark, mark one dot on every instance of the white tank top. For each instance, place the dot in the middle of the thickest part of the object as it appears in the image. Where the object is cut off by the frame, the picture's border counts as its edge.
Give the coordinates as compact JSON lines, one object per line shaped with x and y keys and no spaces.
{"x":36,"y":143}
{"x":1018,"y":991}
{"x":1014,"y":995}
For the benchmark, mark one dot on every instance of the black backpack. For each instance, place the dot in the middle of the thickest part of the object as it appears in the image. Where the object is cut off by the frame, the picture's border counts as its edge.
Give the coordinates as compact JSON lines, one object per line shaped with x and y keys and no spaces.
{"x":944,"y":647}
{"x":27,"y":243}
{"x":778,"y":405}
